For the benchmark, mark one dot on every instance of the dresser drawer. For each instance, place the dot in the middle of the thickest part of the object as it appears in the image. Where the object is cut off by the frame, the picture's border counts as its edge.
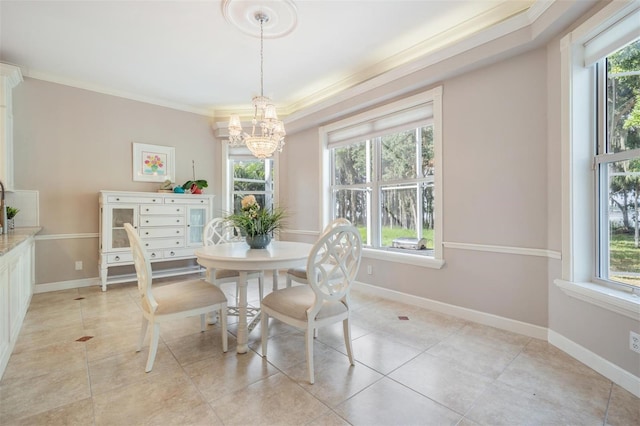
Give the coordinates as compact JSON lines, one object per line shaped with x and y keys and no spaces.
{"x":162,"y":243}
{"x":133,"y":199}
{"x":151,"y":209}
{"x":161,"y":232}
{"x":120,"y":258}
{"x":161,"y":221}
{"x":185,"y":252}
{"x":180,"y":200}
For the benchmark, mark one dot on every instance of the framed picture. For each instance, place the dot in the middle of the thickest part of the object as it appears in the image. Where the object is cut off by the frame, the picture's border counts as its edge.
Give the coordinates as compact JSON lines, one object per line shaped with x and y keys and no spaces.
{"x":153,"y":163}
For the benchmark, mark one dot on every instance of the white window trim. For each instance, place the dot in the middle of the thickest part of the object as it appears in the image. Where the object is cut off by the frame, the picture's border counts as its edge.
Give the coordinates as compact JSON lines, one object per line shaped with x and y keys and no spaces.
{"x":578,"y":229}
{"x":431,"y":96}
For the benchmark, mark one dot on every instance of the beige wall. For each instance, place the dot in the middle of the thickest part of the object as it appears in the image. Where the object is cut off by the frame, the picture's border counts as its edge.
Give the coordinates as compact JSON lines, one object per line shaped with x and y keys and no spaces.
{"x":71,"y":143}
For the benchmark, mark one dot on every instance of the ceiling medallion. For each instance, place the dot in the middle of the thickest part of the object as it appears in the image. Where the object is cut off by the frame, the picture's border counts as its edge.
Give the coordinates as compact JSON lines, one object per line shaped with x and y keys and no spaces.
{"x":282,"y":14}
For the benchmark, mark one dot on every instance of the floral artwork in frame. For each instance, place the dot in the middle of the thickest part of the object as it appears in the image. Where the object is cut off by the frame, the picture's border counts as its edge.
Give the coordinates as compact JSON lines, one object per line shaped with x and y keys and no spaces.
{"x":153,"y":163}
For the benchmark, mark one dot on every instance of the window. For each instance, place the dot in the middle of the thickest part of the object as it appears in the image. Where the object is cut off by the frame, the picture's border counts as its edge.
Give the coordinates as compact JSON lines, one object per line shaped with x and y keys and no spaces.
{"x":384,"y":185}
{"x":593,"y":134}
{"x":618,"y":166}
{"x":381,"y":171}
{"x":251,"y":176}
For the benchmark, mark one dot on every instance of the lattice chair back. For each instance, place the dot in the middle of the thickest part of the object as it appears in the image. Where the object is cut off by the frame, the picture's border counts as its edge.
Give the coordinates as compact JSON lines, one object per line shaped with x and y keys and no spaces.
{"x":333,"y":265}
{"x":219,"y":231}
{"x":143,"y":269}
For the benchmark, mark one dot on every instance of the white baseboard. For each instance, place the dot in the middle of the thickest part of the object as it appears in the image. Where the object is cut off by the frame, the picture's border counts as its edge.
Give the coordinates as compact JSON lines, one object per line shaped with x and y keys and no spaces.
{"x":457,"y":311}
{"x":66,"y":285}
{"x":611,"y":371}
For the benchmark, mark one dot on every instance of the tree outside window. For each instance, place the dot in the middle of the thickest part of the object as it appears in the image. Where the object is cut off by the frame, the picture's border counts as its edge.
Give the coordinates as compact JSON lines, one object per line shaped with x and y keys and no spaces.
{"x":618,"y":159}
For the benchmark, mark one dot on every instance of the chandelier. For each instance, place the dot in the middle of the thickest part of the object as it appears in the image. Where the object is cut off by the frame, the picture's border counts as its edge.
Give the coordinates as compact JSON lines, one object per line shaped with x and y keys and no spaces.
{"x":267,"y":132}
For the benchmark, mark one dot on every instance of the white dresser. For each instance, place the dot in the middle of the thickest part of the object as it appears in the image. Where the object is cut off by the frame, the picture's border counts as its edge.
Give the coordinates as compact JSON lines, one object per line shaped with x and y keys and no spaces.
{"x":170,"y":226}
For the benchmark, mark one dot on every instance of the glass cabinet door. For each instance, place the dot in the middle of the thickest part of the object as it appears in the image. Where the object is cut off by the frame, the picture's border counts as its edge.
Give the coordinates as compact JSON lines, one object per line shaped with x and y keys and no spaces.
{"x":120,"y":216}
{"x":196,"y":220}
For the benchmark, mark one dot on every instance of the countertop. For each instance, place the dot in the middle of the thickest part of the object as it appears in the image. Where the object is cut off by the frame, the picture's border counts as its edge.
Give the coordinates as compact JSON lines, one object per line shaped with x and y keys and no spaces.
{"x":15,"y":236}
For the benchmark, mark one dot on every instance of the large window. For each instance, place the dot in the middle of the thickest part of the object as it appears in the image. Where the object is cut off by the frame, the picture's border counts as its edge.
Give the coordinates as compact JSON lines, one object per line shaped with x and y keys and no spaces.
{"x":618,"y":166}
{"x":384,"y":185}
{"x":382,"y":171}
{"x":600,"y":154}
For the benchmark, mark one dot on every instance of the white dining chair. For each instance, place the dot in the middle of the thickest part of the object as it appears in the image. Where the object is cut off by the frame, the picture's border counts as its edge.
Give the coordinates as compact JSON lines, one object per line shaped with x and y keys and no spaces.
{"x":300,"y":274}
{"x":171,"y":301}
{"x":221,"y":231}
{"x":332,"y":267}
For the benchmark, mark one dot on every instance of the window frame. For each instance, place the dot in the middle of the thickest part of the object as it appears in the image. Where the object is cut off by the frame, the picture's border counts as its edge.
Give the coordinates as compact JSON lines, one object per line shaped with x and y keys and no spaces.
{"x":579,"y":136}
{"x":431,"y":97}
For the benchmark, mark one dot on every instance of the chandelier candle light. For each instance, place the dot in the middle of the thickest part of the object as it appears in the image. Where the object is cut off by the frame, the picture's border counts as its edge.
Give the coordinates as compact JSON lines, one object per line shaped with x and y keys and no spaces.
{"x":269,"y":135}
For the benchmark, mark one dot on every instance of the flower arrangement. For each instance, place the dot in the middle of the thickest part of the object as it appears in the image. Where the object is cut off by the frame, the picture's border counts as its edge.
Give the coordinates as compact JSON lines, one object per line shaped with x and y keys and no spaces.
{"x":254,"y":221}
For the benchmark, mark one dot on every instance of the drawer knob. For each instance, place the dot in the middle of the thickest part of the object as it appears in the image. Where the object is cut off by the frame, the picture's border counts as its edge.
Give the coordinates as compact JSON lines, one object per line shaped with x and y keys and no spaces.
{"x":146,"y":233}
{"x":178,"y":232}
{"x":153,"y":255}
{"x":146,"y":221}
{"x":178,"y":220}
{"x":146,"y":245}
{"x":147,"y":209}
{"x":178,"y":242}
{"x":173,"y":253}
{"x":154,"y":200}
{"x":117,"y":258}
{"x":117,"y":199}
{"x":173,"y":201}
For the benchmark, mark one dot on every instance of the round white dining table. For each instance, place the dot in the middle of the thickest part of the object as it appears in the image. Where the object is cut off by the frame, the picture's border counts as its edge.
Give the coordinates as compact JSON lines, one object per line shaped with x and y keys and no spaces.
{"x":240,"y":257}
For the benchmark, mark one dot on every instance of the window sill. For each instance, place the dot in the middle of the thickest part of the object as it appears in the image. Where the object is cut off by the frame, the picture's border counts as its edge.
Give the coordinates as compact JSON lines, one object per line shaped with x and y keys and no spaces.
{"x":618,"y":301}
{"x":406,"y":258}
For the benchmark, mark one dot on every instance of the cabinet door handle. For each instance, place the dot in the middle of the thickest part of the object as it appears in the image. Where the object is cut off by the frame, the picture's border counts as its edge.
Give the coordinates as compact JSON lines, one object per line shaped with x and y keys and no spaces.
{"x":117,"y":258}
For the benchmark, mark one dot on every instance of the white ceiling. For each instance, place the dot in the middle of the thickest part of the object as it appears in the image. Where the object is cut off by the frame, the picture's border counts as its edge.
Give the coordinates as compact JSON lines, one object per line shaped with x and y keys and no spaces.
{"x":185,"y":54}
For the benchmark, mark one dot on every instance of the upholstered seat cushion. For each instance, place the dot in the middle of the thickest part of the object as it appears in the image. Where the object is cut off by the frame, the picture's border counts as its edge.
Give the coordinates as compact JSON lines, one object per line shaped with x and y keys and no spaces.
{"x":229,"y":273}
{"x":186,"y":295}
{"x":298,"y":272}
{"x":294,"y":302}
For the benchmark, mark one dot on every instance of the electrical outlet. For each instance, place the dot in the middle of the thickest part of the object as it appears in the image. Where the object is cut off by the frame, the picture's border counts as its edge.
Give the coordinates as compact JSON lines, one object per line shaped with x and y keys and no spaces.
{"x":78,"y":265}
{"x":634,"y":341}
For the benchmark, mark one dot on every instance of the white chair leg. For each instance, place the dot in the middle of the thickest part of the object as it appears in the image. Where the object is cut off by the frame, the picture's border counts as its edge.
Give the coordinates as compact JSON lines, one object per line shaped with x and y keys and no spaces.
{"x":308,"y":337}
{"x":264,"y":328}
{"x":288,"y":280}
{"x":153,"y":346}
{"x":203,"y":325}
{"x":212,"y":318}
{"x":223,"y":324}
{"x":143,"y":333}
{"x":346,"y":327}
{"x":261,"y":285}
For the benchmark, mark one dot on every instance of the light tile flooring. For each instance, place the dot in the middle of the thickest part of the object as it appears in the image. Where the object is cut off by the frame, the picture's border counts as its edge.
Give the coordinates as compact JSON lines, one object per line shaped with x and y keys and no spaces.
{"x":431,"y":369}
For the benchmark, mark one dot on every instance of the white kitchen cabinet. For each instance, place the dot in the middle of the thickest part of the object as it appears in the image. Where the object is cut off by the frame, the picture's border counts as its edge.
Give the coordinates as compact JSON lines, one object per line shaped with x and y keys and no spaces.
{"x":10,"y":77}
{"x":17,"y":281}
{"x":170,"y":226}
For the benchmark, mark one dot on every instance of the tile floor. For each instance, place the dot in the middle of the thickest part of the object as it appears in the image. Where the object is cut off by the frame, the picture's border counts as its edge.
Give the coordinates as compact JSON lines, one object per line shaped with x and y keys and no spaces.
{"x":431,"y":369}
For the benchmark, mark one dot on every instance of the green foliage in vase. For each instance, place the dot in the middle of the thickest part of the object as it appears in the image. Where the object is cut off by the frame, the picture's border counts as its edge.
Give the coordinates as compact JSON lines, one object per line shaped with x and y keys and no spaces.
{"x":12,"y":212}
{"x":253,"y":220}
